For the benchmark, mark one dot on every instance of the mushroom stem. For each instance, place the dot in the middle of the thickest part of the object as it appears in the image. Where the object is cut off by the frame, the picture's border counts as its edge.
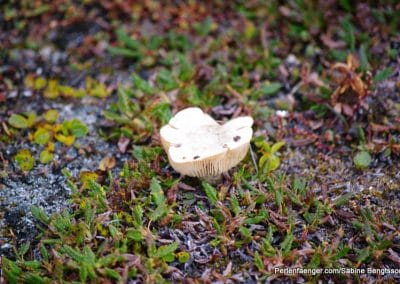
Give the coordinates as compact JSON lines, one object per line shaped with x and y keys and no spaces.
{"x":213,"y":180}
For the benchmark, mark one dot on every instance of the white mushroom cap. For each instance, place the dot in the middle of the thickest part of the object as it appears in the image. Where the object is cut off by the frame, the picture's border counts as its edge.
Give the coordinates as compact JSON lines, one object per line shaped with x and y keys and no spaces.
{"x":199,"y":146}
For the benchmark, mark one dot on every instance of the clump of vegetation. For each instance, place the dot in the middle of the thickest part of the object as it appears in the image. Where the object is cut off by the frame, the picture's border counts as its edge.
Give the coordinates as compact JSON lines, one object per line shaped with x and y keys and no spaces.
{"x":52,"y":89}
{"x":43,"y":131}
{"x":131,"y":228}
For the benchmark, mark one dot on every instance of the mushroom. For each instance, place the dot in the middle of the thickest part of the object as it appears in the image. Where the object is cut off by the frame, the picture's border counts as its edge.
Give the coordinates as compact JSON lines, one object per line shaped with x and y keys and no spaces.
{"x":198,"y":146}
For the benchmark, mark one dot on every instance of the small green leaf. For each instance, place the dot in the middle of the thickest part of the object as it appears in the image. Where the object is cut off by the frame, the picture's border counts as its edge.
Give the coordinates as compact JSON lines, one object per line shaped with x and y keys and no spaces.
{"x":338,"y":55}
{"x":250,"y":30}
{"x":262,"y":144}
{"x":169,"y":257}
{"x":88,"y":213}
{"x":18,"y":121}
{"x":210,"y":192}
{"x":345,"y":4}
{"x":73,"y":253}
{"x":364,"y":64}
{"x":23,"y":249}
{"x":362,"y":159}
{"x":46,"y":156}
{"x":67,"y":140}
{"x":44,"y":253}
{"x":183,"y":256}
{"x":67,"y":91}
{"x":235,"y":205}
{"x":134,"y":234}
{"x":342,"y":200}
{"x":125,"y":39}
{"x":138,"y":215}
{"x":274,"y":163}
{"x":124,"y":102}
{"x":41,"y":136}
{"x":166,"y":80}
{"x":83,"y":273}
{"x":286,"y":245}
{"x":116,"y":117}
{"x":163,"y":112}
{"x":40,"y":215}
{"x":266,"y":248}
{"x":33,"y":264}
{"x":109,"y":259}
{"x":142,"y":85}
{"x":357,"y":224}
{"x":271,"y":88}
{"x":113,"y":274}
{"x":363,"y":255}
{"x":315,"y":261}
{"x":113,"y":230}
{"x":258,"y":261}
{"x":279,"y":197}
{"x":159,"y":212}
{"x":40,"y":83}
{"x":78,"y":129}
{"x":246,"y":233}
{"x":348,"y":30}
{"x":383,"y":75}
{"x":51,"y":91}
{"x":186,"y":70}
{"x":277,"y":146}
{"x":125,"y":52}
{"x":271,"y":164}
{"x":51,"y":115}
{"x":24,"y":160}
{"x":300,"y":185}
{"x":156,"y":192}
{"x":31,"y":117}
{"x":263,"y":159}
{"x":342,"y":252}
{"x":33,"y":278}
{"x":163,"y":251}
{"x":11,"y":270}
{"x":98,"y":90}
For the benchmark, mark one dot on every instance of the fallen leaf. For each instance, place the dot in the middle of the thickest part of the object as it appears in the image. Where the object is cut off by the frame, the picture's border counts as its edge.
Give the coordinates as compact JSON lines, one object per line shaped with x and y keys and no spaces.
{"x":171,"y":194}
{"x":123,"y":143}
{"x":107,"y":163}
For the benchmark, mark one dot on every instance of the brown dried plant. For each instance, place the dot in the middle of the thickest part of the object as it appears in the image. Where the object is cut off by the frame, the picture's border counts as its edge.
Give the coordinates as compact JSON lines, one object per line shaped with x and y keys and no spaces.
{"x":349,"y":82}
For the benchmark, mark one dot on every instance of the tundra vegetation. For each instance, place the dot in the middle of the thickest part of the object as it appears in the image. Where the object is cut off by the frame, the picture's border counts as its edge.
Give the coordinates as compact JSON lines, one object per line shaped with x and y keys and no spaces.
{"x":86,"y":190}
